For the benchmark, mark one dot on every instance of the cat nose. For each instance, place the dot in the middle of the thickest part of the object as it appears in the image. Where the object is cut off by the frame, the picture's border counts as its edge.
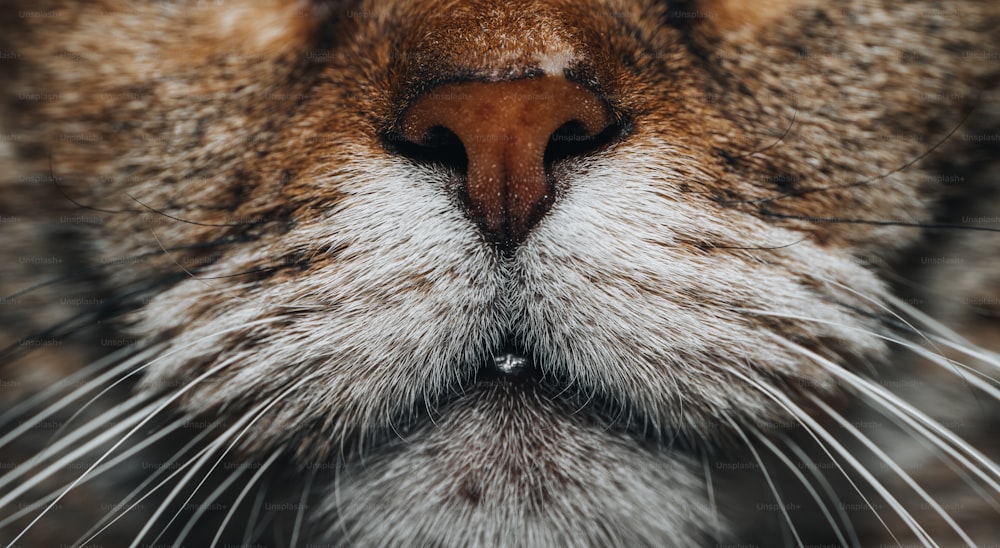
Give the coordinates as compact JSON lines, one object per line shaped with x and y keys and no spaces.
{"x":505,"y":137}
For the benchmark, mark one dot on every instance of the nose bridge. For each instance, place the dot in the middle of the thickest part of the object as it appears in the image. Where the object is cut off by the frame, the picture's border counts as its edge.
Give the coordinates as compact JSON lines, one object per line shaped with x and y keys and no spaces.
{"x":505,"y":128}
{"x":485,"y":40}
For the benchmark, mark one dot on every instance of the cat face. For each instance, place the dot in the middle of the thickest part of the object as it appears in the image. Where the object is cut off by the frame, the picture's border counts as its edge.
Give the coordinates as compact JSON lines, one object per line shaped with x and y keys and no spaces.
{"x":339,"y":222}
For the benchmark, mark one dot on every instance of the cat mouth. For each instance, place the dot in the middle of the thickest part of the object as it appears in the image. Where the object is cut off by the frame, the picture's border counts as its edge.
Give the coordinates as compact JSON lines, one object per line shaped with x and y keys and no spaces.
{"x":511,"y":362}
{"x":514,"y":370}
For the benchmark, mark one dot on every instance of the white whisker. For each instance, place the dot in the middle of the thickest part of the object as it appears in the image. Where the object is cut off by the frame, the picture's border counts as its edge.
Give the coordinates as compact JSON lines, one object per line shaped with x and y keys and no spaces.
{"x":43,"y":396}
{"x":879,"y":304}
{"x":253,"y":416}
{"x":828,"y":489}
{"x":254,"y":520}
{"x":166,"y":401}
{"x":236,"y":503}
{"x":213,"y":446}
{"x":301,"y":510}
{"x":922,"y":435}
{"x":947,"y":336}
{"x":110,"y":374}
{"x":90,"y":386}
{"x":805,"y":483}
{"x":193,"y":469}
{"x":711,"y":498}
{"x":814,"y":429}
{"x":767,"y":477}
{"x":141,"y":488}
{"x":338,"y":503}
{"x":980,"y":380}
{"x":893,"y":466}
{"x":883,"y":396}
{"x":111,"y":464}
{"x":230,"y":433}
{"x":202,"y":508}
{"x":91,"y":444}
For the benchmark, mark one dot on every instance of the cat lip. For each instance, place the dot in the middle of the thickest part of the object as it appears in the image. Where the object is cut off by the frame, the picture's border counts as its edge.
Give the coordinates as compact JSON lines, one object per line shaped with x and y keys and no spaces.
{"x":511,"y":364}
{"x":512,"y":371}
{"x":509,"y":361}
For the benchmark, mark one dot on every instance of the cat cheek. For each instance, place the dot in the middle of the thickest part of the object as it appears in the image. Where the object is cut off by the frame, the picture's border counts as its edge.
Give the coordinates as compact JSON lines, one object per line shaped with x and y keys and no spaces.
{"x":261,"y":28}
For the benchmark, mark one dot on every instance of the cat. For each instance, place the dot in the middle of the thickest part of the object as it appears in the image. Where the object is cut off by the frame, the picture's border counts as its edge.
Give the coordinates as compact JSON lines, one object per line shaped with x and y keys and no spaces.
{"x":521,"y":273}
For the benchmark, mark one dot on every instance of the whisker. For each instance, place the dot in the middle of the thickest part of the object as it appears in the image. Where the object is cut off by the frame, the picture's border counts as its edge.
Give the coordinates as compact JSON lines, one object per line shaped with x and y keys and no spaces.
{"x":980,"y":380}
{"x":767,"y":477}
{"x":20,"y":408}
{"x":95,"y":269}
{"x":166,"y":401}
{"x":93,"y":384}
{"x":814,"y":429}
{"x":883,"y":176}
{"x":230,"y":433}
{"x":108,"y":520}
{"x":253,"y":480}
{"x":875,"y":222}
{"x":885,"y":397}
{"x":781,"y":138}
{"x":111,"y":464}
{"x":187,"y":221}
{"x":591,"y":392}
{"x":919,"y":433}
{"x":805,"y":483}
{"x":827,"y":488}
{"x":904,"y":411}
{"x":879,"y":304}
{"x":99,"y":424}
{"x":118,"y":301}
{"x":623,"y":408}
{"x":338,"y":504}
{"x":257,"y":413}
{"x":867,"y":442}
{"x":231,"y":292}
{"x":950,"y":338}
{"x":102,"y":393}
{"x":290,"y":307}
{"x":258,"y":504}
{"x":710,"y":487}
{"x":301,"y":510}
{"x":202,"y":508}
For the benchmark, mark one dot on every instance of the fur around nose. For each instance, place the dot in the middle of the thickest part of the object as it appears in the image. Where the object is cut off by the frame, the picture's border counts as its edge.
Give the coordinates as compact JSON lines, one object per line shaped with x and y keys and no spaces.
{"x":505,"y":128}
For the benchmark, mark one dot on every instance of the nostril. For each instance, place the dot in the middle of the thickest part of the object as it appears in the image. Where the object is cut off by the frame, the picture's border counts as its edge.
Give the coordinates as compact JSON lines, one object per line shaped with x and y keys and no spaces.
{"x":439,"y":145}
{"x":572,"y":139}
{"x":503,"y":138}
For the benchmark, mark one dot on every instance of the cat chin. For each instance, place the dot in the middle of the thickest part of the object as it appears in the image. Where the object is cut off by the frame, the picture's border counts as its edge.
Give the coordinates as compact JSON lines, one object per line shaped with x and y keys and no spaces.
{"x":506,"y":463}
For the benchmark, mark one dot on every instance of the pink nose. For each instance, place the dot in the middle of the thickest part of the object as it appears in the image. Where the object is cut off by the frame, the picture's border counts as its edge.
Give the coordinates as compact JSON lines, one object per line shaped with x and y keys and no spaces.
{"x":506,"y":129}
